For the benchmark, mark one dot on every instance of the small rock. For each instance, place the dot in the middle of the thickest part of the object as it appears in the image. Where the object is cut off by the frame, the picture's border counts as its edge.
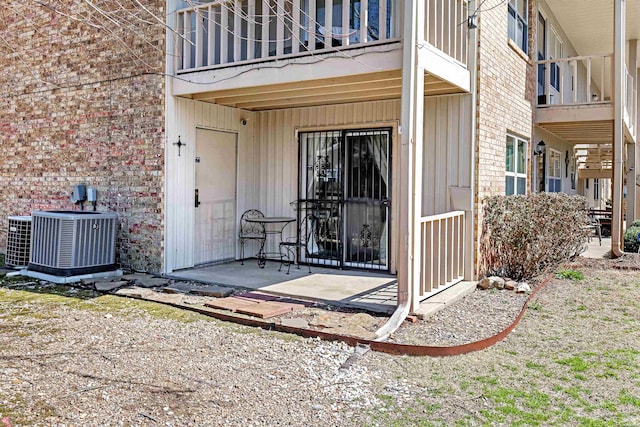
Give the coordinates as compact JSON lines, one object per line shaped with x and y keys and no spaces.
{"x":485,"y":283}
{"x":318,"y":407}
{"x":497,"y":282}
{"x":108,"y":316}
{"x":523,"y":288}
{"x":412,"y":319}
{"x":510,"y":285}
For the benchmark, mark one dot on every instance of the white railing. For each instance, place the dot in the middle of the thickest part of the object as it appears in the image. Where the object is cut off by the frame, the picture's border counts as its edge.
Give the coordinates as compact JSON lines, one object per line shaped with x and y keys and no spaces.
{"x":442,"y":240}
{"x":576,"y":80}
{"x":445,"y":27}
{"x":631,"y":102}
{"x":221,"y":33}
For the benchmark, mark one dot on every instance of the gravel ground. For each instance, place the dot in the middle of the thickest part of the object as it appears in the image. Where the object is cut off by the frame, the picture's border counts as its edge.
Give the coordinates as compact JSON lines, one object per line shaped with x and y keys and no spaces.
{"x":573,"y":360}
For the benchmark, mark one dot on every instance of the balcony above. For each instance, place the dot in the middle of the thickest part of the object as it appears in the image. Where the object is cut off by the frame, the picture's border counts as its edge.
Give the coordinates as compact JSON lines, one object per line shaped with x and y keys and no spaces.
{"x":264,"y":54}
{"x":575,"y":99}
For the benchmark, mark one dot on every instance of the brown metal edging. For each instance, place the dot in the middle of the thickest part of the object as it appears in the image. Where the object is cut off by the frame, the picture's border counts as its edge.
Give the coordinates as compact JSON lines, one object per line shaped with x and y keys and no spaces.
{"x":383,"y":347}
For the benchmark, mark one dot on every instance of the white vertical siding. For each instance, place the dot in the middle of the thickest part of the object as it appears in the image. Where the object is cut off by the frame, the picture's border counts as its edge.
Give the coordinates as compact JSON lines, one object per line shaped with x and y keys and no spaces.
{"x":268,"y":157}
{"x":447,"y":151}
{"x":186,"y":117}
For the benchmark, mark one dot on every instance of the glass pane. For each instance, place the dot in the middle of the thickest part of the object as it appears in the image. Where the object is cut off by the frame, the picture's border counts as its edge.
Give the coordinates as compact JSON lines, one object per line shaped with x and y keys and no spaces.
{"x":522,"y":9}
{"x":510,"y":165}
{"x":522,"y":156}
{"x":522,"y":185}
{"x":509,"y":185}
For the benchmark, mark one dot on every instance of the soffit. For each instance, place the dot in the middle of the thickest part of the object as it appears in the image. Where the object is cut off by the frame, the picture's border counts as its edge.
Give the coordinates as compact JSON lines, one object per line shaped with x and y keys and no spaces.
{"x":589,"y":23}
{"x":347,"y":89}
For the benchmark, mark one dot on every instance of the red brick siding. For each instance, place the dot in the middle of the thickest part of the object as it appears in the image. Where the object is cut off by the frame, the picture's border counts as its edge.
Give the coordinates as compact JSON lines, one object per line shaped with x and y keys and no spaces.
{"x":84,"y":105}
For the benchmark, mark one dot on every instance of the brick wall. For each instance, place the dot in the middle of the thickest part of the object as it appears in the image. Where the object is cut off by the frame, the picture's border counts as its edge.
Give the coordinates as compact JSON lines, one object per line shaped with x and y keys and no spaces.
{"x":82,"y":101}
{"x":506,"y":89}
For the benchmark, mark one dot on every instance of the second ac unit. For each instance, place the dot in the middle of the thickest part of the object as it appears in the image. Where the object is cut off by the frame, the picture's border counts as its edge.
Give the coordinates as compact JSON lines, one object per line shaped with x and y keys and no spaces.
{"x":18,"y":241}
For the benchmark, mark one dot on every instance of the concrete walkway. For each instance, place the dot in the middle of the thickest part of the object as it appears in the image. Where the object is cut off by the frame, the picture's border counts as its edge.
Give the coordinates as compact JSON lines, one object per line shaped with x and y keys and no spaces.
{"x":595,"y":250}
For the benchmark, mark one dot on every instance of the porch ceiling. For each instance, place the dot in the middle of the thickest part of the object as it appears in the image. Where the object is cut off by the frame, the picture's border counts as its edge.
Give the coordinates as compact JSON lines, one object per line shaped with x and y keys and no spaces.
{"x":335,"y":90}
{"x":589,"y":23}
{"x":591,"y":132}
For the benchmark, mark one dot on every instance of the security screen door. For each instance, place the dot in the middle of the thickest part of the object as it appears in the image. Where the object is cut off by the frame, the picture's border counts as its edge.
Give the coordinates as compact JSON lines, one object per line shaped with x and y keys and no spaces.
{"x":344,"y":189}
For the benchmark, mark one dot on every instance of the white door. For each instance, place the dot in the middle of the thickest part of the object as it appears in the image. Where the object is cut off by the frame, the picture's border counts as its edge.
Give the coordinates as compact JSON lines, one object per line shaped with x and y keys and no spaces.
{"x":215,"y":196}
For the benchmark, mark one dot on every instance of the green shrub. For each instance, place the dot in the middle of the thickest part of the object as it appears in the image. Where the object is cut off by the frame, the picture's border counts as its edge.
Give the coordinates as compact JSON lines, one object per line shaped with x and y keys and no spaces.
{"x":635,"y":223}
{"x":631,"y":238}
{"x":523,"y":236}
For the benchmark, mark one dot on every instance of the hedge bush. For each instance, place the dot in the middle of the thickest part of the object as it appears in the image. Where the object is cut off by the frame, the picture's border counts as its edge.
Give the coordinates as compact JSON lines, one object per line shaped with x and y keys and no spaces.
{"x":523,"y":236}
{"x":631,"y":237}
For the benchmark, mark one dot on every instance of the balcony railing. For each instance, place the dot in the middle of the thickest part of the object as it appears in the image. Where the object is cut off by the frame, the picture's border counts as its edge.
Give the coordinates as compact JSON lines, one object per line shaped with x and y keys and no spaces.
{"x":631,"y":103}
{"x":576,"y":80}
{"x":223,"y":33}
{"x":442,"y":240}
{"x":445,"y":27}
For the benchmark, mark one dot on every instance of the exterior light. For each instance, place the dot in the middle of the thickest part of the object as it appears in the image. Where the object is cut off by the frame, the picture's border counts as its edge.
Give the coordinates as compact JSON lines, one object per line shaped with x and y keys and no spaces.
{"x":540,"y":147}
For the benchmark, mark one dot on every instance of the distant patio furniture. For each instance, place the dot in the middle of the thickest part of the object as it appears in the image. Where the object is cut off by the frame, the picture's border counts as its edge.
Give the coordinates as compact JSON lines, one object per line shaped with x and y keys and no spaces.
{"x":594,"y":227}
{"x":604,"y":217}
{"x":304,"y":240}
{"x":271,"y":226}
{"x":251,"y":231}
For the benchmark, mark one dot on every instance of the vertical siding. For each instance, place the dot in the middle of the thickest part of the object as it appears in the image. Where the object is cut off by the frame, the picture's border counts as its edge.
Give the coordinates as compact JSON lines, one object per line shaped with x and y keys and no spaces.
{"x":278,"y":146}
{"x":187,"y":115}
{"x":447,"y":151}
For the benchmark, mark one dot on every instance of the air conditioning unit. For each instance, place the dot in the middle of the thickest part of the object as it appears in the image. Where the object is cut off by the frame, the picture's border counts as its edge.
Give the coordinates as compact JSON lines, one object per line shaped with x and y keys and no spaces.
{"x":71,"y":243}
{"x":18,"y":241}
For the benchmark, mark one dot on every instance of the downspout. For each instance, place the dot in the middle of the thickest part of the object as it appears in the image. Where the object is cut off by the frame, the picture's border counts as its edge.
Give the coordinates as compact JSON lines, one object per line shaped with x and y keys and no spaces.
{"x":405,"y":259}
{"x":618,"y":135}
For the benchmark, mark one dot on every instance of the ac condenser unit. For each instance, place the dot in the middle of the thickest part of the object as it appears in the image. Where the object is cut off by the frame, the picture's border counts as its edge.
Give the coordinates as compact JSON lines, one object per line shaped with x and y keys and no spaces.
{"x":18,"y":241}
{"x":70,"y":243}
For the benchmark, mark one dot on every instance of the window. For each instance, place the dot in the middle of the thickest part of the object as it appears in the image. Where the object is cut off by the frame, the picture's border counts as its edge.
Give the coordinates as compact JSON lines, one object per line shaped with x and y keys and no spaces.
{"x":554,"y":172}
{"x":516,"y":166}
{"x":518,"y":23}
{"x":596,"y":189}
{"x":556,"y":51}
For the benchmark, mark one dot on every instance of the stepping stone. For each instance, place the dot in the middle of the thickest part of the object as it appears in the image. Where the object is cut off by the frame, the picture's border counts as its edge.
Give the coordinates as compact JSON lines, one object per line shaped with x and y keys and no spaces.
{"x":267,"y":309}
{"x":146,"y":280}
{"x":105,"y":286}
{"x":135,"y":292}
{"x":231,"y":303}
{"x":211,"y":291}
{"x":165,"y":298}
{"x":179,"y":287}
{"x":258,"y":296}
{"x":295,"y":322}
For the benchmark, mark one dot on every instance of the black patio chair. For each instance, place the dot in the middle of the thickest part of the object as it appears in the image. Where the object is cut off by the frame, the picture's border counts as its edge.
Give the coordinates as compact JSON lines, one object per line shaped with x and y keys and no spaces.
{"x":305,"y":240}
{"x":250,"y":231}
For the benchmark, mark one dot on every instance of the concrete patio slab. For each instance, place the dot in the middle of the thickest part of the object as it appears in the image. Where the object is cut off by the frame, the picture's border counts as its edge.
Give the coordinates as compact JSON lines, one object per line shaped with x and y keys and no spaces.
{"x":371,"y":291}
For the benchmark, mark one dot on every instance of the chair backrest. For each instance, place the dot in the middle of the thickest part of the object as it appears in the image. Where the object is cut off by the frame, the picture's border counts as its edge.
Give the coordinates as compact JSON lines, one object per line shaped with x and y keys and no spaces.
{"x":251,"y":228}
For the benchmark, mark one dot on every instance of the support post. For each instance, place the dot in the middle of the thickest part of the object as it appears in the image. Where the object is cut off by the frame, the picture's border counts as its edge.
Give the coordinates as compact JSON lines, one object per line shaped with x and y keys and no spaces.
{"x":619,"y":78}
{"x":632,"y":164}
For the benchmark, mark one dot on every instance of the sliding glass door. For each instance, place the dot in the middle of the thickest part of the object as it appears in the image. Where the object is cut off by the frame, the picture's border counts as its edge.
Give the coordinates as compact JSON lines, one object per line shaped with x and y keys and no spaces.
{"x":344,"y":190}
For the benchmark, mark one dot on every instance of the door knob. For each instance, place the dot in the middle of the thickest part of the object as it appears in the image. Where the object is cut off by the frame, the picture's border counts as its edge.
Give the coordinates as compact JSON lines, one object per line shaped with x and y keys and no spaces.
{"x":197,"y":199}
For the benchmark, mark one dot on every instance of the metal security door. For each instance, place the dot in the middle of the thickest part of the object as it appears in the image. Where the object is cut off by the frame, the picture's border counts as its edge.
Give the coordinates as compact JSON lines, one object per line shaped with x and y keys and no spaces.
{"x":366,"y":203}
{"x":215,"y":196}
{"x":344,"y":189}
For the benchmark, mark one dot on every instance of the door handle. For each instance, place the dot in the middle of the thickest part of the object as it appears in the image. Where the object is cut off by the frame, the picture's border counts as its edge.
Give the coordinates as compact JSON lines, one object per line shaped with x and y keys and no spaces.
{"x":197,"y":203}
{"x":385,"y":202}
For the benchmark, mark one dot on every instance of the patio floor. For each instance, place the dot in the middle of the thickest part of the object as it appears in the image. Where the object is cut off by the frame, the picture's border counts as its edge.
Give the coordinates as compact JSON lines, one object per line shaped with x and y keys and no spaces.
{"x":595,"y":250}
{"x":371,"y":291}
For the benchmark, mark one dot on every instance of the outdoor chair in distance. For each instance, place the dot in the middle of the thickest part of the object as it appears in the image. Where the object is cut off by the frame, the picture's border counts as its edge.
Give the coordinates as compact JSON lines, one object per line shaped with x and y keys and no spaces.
{"x":250,"y":231}
{"x":303,"y":241}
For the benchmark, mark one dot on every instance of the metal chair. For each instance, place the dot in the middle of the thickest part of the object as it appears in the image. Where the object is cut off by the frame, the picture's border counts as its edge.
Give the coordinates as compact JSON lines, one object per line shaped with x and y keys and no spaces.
{"x":305,"y":239}
{"x":250,"y":230}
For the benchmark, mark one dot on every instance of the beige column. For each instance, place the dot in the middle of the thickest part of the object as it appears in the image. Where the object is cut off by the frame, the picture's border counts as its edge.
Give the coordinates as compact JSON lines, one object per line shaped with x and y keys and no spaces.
{"x":632,"y":193}
{"x":619,"y":78}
